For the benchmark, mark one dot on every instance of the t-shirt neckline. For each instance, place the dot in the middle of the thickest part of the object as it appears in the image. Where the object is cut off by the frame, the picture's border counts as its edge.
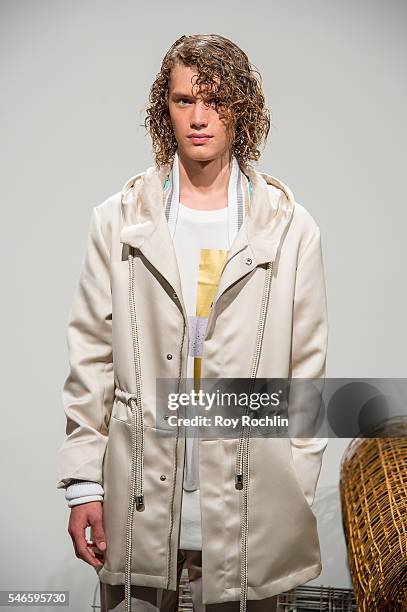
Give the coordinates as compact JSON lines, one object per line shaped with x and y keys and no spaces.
{"x":217,"y":213}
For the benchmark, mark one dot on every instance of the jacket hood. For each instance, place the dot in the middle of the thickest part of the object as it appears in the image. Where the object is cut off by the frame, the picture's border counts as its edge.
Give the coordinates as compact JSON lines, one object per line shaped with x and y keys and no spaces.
{"x":264,"y":227}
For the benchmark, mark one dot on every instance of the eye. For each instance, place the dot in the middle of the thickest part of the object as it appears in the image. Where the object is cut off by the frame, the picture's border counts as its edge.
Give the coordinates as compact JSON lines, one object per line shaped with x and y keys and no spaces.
{"x":182,"y":100}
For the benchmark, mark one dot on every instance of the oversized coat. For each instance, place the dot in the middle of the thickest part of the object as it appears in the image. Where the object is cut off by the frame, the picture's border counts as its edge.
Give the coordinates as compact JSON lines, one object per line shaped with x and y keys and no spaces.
{"x":128,"y":327}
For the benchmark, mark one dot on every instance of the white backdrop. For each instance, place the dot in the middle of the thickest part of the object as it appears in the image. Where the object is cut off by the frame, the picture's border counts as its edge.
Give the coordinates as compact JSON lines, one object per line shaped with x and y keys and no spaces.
{"x":75,"y":78}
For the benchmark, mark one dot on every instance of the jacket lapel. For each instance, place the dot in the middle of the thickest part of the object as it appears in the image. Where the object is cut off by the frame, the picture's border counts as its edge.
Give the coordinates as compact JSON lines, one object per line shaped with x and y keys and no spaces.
{"x":262,"y":231}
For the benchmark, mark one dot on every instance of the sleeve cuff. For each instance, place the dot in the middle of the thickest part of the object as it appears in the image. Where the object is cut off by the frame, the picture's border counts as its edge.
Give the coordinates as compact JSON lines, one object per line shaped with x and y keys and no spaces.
{"x":82,"y":489}
{"x":84,"y":500}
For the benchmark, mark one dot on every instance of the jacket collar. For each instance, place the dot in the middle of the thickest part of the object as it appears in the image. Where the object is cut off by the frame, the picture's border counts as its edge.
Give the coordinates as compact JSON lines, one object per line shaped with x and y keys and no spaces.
{"x":260,"y":236}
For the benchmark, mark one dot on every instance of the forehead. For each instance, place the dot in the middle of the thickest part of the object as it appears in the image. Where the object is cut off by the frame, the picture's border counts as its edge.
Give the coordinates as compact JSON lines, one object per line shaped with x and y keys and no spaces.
{"x":182,"y":79}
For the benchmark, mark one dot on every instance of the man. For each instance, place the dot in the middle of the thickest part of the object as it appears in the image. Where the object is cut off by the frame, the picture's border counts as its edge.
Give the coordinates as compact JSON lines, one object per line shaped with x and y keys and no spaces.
{"x":201,"y":267}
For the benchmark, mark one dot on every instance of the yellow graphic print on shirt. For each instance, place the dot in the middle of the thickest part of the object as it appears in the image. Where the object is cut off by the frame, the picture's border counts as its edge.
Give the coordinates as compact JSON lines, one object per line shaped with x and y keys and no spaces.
{"x":211,"y":263}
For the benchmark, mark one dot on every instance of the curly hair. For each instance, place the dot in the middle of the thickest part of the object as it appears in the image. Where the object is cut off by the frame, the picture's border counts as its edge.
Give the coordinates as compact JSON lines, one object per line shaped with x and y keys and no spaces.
{"x":226,"y":76}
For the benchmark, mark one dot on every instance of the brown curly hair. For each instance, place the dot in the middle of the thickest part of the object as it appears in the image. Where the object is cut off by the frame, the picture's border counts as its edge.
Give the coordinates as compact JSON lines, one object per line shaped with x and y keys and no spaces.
{"x":226,"y":76}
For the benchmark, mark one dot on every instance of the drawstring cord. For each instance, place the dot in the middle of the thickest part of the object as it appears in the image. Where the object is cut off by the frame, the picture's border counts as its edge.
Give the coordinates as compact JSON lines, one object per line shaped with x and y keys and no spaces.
{"x":242,"y":465}
{"x":136,"y":497}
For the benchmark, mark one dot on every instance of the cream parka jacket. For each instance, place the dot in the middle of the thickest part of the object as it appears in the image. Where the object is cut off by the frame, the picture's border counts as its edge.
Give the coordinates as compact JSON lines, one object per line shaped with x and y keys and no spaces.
{"x":128,"y":327}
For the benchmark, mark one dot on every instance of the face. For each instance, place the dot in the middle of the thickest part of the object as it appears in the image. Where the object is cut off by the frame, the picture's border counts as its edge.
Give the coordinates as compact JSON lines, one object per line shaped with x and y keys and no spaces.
{"x":200,"y":133}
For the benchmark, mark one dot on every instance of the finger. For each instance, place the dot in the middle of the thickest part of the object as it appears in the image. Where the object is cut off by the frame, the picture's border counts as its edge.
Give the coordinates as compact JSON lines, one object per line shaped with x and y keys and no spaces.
{"x":99,"y":534}
{"x":94,"y":550}
{"x":88,"y":556}
{"x":74,"y":543}
{"x":81,"y":548}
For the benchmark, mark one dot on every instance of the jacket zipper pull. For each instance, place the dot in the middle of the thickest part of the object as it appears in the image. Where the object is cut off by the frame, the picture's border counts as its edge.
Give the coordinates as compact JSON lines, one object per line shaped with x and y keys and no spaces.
{"x":139,"y":503}
{"x":239,"y":481}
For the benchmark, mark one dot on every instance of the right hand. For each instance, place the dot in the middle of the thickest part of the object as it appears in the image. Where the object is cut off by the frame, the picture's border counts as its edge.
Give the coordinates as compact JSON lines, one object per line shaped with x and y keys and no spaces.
{"x":82,"y":516}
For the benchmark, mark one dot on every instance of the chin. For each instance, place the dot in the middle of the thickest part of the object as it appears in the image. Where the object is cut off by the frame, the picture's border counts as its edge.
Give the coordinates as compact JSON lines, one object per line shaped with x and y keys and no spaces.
{"x":201,"y":153}
{"x":204,"y":156}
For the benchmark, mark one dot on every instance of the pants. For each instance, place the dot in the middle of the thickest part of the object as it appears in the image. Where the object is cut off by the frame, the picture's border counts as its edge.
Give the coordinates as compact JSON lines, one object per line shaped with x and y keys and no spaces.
{"x":150,"y":599}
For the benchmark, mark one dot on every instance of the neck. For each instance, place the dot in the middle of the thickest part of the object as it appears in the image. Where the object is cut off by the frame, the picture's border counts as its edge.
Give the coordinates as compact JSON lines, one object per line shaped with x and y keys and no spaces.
{"x":201,"y":181}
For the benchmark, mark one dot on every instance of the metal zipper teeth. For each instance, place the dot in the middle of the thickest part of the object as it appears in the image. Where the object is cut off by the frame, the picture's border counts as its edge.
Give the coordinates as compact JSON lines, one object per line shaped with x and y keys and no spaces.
{"x":130,"y":515}
{"x":139,"y":460}
{"x":256,"y":357}
{"x":137,"y":441}
{"x":175,"y":465}
{"x":139,"y":420}
{"x":139,"y":423}
{"x":242,"y":457}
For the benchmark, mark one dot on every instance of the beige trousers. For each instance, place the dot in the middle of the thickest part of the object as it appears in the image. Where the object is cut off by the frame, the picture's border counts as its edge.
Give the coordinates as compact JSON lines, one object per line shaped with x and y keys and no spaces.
{"x":149,"y":599}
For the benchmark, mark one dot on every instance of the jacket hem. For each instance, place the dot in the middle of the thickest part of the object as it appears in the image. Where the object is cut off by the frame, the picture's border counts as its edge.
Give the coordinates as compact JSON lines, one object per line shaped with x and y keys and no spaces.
{"x":264,"y":591}
{"x":114,"y":578}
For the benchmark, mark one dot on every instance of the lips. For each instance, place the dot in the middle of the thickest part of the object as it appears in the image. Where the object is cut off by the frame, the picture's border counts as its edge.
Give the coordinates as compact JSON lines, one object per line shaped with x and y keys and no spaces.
{"x":199,"y":139}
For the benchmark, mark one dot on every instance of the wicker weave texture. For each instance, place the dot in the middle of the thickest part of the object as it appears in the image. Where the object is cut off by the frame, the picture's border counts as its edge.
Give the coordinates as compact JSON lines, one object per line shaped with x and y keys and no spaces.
{"x":373,"y":488}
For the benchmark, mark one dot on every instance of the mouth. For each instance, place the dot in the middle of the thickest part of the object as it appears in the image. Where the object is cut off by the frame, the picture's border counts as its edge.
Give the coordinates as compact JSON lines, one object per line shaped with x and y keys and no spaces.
{"x":199,"y":139}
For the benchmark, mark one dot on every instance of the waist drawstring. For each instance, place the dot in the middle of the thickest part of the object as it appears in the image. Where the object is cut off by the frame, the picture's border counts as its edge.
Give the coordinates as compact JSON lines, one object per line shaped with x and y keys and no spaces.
{"x":242,"y":465}
{"x":136,"y":496}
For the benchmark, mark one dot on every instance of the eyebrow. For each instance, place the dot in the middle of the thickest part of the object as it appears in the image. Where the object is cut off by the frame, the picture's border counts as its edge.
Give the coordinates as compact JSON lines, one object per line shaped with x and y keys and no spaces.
{"x":182,"y":94}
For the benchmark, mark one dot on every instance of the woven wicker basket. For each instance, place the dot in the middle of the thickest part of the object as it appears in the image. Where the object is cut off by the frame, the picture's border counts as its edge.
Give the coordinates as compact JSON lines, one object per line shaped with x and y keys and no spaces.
{"x":373,"y":488}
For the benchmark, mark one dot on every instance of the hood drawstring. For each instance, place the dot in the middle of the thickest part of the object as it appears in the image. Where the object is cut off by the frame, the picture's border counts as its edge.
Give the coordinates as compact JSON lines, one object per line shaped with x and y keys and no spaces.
{"x":136,"y":497}
{"x":242,"y":466}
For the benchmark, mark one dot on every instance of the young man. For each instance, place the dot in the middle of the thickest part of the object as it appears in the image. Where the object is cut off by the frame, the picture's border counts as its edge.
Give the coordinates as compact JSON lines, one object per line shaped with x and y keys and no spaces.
{"x":201,"y":267}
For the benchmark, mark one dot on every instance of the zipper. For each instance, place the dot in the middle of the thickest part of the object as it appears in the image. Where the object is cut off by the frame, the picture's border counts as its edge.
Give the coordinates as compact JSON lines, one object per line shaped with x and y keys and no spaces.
{"x":256,"y":358}
{"x":175,"y":465}
{"x":136,"y":496}
{"x":215,"y":301}
{"x":242,"y":466}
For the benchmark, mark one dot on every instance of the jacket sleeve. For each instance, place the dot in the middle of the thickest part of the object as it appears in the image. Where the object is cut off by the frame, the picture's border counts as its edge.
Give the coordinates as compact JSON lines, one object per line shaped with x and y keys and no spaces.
{"x":88,"y":390}
{"x":308,"y":360}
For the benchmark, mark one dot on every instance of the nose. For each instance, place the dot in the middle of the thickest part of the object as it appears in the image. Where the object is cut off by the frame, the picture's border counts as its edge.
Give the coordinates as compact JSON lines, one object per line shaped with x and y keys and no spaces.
{"x":199,"y":115}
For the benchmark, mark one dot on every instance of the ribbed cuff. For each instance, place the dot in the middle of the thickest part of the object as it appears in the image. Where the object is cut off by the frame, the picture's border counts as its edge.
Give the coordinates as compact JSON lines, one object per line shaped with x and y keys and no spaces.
{"x":84,"y":500}
{"x":80,"y":489}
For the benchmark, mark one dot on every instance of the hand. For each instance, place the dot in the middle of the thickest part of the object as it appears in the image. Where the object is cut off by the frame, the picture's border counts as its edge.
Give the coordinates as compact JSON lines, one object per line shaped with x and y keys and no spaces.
{"x":83,"y":515}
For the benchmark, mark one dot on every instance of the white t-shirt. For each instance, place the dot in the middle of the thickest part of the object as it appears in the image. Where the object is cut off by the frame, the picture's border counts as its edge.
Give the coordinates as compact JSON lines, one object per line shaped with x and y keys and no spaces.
{"x":201,"y":243}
